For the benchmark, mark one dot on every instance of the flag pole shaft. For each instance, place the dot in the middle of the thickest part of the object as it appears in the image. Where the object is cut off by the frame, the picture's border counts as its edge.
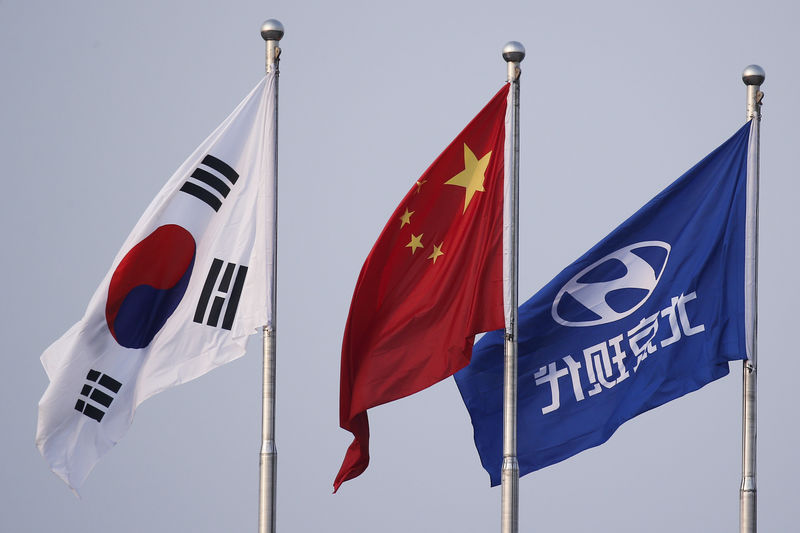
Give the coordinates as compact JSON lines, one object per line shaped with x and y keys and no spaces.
{"x":753,"y":76}
{"x":513,"y":53}
{"x":272,"y":32}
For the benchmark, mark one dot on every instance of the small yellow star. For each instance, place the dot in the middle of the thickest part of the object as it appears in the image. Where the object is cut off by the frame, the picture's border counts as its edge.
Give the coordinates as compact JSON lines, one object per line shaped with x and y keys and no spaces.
{"x":437,"y":251}
{"x":471,"y":178}
{"x":406,"y":218}
{"x":419,"y":185}
{"x":416,"y":242}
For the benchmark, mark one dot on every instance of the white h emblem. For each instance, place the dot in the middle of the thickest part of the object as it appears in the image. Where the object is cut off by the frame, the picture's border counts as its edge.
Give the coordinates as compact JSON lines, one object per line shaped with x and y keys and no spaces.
{"x":640,"y":275}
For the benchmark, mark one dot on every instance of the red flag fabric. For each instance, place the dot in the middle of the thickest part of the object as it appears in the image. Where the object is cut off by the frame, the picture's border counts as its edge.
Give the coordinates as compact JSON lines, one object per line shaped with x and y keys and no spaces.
{"x":432,"y":281}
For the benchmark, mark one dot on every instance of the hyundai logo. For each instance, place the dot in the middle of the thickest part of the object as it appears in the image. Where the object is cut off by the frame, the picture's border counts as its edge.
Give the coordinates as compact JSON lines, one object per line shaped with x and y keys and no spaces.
{"x":613,"y":287}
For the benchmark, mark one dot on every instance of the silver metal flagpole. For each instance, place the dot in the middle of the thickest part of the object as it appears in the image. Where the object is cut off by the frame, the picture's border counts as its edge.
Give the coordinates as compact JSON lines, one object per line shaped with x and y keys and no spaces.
{"x":513,"y":53}
{"x":753,"y":76}
{"x":272,"y":32}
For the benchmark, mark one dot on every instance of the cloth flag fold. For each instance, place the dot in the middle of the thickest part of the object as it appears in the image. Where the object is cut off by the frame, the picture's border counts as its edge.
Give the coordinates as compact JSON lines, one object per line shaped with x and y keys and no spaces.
{"x":184,"y":292}
{"x":653,"y":311}
{"x":433,"y":280}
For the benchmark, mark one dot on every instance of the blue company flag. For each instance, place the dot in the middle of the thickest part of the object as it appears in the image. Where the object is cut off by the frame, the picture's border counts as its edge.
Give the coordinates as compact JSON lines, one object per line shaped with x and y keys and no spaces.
{"x":652,"y":312}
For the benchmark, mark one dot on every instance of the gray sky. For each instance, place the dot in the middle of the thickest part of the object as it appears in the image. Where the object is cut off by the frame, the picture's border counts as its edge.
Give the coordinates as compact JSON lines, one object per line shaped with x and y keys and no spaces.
{"x":101,"y":101}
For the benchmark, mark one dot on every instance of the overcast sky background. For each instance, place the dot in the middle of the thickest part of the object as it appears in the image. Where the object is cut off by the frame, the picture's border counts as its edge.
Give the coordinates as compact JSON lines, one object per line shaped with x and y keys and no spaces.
{"x":102,"y":100}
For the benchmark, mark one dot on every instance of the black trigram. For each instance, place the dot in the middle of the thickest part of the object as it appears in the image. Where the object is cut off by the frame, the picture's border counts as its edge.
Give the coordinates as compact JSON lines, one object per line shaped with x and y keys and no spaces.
{"x":101,"y":397}
{"x":201,"y":183}
{"x":229,"y":294}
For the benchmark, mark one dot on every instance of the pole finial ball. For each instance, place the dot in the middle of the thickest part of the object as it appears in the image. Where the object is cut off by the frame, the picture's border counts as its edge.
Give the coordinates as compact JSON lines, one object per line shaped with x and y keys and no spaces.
{"x":513,"y":51}
{"x":753,"y":75}
{"x":272,"y":30}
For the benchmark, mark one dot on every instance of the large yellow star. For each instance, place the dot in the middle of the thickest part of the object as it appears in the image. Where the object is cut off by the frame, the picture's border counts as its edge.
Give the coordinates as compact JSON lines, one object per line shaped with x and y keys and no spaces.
{"x":437,"y":251}
{"x":471,"y":178}
{"x":405,"y":218}
{"x":416,"y":242}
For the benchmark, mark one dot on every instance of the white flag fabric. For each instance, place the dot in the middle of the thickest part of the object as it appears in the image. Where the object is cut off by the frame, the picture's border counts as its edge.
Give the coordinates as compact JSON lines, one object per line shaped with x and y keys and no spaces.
{"x":184,"y":292}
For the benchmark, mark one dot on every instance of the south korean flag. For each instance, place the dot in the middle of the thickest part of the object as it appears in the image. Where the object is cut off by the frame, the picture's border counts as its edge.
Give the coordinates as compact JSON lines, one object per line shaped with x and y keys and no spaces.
{"x":184,"y":292}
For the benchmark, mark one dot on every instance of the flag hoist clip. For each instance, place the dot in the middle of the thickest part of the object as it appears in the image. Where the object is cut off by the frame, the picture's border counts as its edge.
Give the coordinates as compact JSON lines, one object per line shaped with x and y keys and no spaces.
{"x":272,"y":32}
{"x":753,"y":76}
{"x":513,"y":53}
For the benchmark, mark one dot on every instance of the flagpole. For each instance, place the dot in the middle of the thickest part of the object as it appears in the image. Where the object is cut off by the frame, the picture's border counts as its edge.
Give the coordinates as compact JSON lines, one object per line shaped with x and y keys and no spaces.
{"x":753,"y":76}
{"x":513,"y":53}
{"x":271,"y":32}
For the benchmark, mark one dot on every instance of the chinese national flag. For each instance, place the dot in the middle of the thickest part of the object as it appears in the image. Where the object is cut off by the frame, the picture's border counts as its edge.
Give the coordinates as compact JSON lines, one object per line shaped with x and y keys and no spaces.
{"x":432,"y":281}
